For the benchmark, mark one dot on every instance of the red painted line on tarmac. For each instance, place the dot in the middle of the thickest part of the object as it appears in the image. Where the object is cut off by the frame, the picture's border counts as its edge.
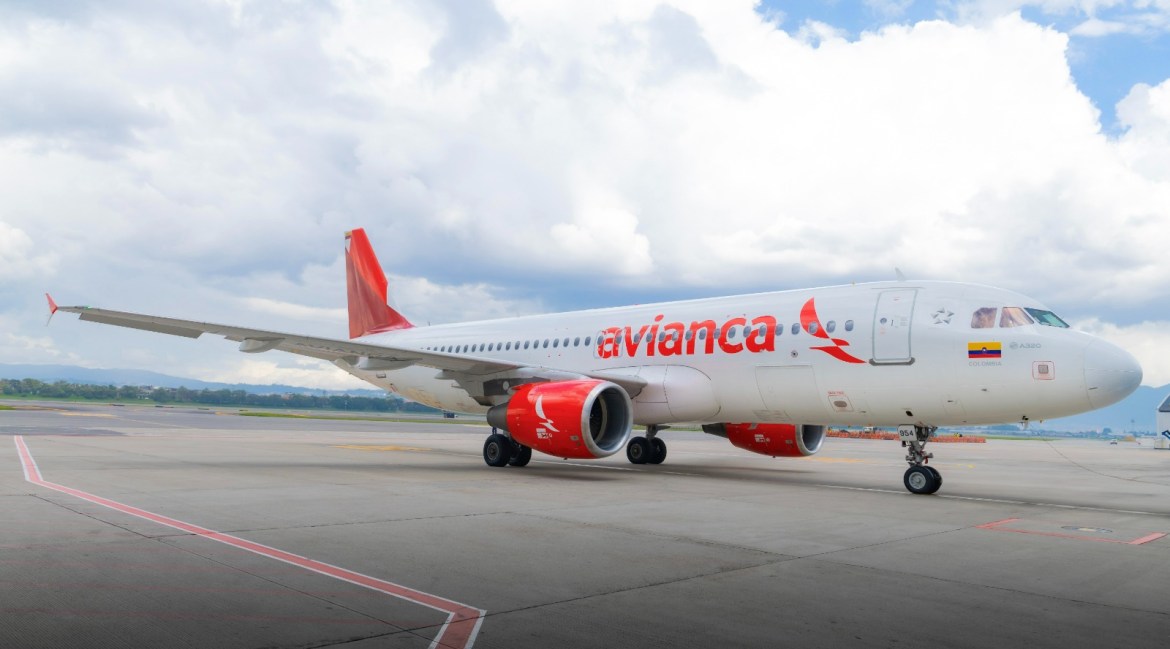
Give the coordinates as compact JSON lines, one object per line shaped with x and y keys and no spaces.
{"x":987,"y":526}
{"x":459,"y":630}
{"x":997,"y":526}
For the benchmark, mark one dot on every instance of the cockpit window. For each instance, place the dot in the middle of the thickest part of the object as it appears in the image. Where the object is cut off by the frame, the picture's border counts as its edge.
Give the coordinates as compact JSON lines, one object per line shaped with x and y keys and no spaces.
{"x":983,"y":318}
{"x":1047,"y":318}
{"x":1014,"y":316}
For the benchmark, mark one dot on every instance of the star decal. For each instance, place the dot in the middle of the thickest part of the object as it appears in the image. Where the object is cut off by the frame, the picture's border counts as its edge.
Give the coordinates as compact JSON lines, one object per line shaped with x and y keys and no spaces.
{"x":942,"y":317}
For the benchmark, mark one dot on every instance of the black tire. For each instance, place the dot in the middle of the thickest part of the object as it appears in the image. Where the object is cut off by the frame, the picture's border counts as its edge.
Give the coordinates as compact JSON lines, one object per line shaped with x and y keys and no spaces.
{"x":638,"y":450}
{"x":521,"y":457}
{"x":937,"y":478}
{"x":497,"y":450}
{"x":921,"y":480}
{"x":657,"y":451}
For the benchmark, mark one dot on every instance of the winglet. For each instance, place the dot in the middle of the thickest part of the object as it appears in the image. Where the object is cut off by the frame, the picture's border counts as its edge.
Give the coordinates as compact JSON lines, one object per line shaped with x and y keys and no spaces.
{"x":366,"y":286}
{"x":52,"y":308}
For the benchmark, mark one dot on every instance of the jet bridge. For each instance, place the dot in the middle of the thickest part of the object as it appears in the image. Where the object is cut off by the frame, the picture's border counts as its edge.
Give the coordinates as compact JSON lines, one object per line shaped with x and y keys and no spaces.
{"x":1163,"y":422}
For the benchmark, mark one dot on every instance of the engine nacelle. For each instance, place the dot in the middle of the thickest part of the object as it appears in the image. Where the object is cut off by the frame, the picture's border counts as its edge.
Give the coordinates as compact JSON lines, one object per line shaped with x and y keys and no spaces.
{"x":581,"y":419}
{"x":777,"y":440}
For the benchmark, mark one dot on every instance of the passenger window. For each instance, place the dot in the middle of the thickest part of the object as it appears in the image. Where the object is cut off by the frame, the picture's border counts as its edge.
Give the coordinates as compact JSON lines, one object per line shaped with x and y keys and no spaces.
{"x":983,"y":318}
{"x":1014,"y":316}
{"x":587,"y":338}
{"x":795,"y":328}
{"x":546,"y":343}
{"x":813,"y":328}
{"x":831,"y":326}
{"x":747,"y":331}
{"x":848,"y":325}
{"x":526,"y":344}
{"x":556,"y":342}
{"x":731,"y":333}
{"x":577,"y":342}
{"x":779,"y":330}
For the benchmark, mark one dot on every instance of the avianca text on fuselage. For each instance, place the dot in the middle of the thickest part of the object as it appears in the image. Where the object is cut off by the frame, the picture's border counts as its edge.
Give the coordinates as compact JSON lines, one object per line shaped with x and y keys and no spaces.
{"x":676,"y":339}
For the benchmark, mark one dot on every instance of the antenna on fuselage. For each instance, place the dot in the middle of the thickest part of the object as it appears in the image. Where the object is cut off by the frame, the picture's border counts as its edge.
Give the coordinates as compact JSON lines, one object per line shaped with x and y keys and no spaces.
{"x":898,"y":272}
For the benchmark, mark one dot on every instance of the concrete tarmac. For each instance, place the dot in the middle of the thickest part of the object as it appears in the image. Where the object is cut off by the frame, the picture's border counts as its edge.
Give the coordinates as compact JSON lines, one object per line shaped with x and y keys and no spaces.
{"x":1028,"y":543}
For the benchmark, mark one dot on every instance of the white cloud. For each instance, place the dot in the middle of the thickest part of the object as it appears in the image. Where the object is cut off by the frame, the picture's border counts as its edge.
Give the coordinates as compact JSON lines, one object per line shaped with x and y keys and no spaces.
{"x":307,"y":373}
{"x":423,"y":301}
{"x":613,"y":145}
{"x":603,"y":237}
{"x":1145,"y":145}
{"x":22,"y":345}
{"x":19,"y":256}
{"x":294,"y":311}
{"x":1100,"y":17}
{"x":1148,"y":341}
{"x":889,"y":8}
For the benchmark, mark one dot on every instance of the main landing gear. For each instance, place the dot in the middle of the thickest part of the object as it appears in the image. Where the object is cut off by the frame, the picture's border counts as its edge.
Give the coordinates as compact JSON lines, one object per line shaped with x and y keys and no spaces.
{"x":919,"y":478}
{"x":648,"y":449}
{"x":500,"y":450}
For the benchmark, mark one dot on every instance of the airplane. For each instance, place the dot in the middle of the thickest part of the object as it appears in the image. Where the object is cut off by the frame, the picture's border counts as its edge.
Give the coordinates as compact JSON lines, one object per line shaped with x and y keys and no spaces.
{"x":770,"y":372}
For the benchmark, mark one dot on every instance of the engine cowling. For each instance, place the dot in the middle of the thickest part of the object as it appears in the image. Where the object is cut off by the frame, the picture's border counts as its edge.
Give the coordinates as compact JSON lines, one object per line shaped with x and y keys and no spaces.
{"x":580,"y":419}
{"x":777,"y":440}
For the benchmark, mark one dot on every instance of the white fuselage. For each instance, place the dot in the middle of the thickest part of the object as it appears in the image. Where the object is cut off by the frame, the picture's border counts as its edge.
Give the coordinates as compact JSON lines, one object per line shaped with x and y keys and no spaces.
{"x":879,"y":354}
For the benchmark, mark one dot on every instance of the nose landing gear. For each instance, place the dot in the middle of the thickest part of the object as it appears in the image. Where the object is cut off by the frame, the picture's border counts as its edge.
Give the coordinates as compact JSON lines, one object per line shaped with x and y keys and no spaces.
{"x":919,"y":478}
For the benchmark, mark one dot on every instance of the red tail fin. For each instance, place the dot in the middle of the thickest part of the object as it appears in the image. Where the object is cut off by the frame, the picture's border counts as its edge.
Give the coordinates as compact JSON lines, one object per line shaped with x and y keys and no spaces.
{"x":366,"y":285}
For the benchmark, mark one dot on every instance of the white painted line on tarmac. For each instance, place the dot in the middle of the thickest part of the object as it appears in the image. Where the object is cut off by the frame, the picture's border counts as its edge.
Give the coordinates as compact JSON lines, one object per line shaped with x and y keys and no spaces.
{"x":1001,"y":501}
{"x":459,"y":630}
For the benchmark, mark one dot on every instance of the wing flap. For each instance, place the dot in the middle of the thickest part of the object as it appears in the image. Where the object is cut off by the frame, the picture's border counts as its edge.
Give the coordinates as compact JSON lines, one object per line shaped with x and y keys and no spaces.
{"x":145,"y":325}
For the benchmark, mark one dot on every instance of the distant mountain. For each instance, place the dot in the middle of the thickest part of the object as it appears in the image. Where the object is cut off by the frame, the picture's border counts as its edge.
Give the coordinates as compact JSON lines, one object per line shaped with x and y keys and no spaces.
{"x":1135,"y":413}
{"x":85,"y":375}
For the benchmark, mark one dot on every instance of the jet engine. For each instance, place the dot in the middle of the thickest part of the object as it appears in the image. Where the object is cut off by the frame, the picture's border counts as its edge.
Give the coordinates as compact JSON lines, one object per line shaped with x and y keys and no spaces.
{"x":777,"y":440}
{"x":580,"y":419}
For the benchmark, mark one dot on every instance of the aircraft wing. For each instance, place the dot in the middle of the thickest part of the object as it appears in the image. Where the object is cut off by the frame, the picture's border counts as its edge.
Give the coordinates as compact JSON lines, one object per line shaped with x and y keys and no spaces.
{"x":358,"y":354}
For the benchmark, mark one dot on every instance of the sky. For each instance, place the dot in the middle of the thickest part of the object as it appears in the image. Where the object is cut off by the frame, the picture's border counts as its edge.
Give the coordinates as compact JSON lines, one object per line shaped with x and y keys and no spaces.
{"x":203,"y":159}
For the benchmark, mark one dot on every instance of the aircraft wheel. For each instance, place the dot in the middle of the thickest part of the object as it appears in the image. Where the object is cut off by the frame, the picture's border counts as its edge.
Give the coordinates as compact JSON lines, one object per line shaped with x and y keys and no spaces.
{"x":497,"y":450}
{"x":921,"y":480}
{"x":937,"y":477}
{"x":522,"y":456}
{"x":638,"y":450}
{"x":657,"y":451}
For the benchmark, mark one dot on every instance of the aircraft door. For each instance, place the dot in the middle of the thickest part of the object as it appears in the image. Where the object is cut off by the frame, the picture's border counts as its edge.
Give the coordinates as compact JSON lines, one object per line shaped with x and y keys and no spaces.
{"x":891,"y":327}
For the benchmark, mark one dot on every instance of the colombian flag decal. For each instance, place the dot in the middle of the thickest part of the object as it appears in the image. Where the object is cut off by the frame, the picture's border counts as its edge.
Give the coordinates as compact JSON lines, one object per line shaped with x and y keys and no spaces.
{"x":984,"y":350}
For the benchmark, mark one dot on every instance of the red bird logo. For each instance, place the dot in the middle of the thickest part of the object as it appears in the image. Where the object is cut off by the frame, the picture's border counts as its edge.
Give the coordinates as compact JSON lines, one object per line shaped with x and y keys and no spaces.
{"x":811,"y":323}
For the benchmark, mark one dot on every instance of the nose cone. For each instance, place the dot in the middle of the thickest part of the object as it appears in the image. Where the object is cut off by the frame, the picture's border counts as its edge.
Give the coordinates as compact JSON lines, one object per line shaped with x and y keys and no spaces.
{"x":1111,"y":373}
